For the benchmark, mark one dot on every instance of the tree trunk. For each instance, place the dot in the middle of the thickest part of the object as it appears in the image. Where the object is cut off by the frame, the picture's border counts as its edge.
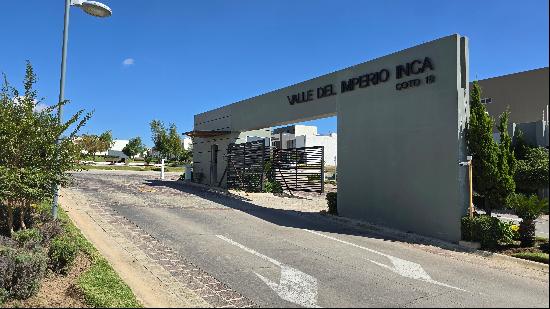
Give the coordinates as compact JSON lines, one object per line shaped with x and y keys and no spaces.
{"x":487,"y":206}
{"x":22,"y":209}
{"x":527,"y":233}
{"x":10,"y":217}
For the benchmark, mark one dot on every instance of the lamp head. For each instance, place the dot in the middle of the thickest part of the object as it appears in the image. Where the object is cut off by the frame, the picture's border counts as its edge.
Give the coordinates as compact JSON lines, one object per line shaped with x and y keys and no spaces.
{"x":93,"y":8}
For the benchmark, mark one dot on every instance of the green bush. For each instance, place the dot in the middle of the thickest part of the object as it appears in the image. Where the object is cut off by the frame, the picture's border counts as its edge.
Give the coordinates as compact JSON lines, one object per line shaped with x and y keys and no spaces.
{"x":484,"y":229}
{"x":528,"y":208}
{"x":50,"y":230}
{"x":510,"y":232}
{"x":21,"y":271}
{"x":62,"y":253}
{"x":532,"y":172}
{"x":3,"y":296}
{"x":332,"y":203}
{"x":27,"y":236}
{"x":273,"y":186}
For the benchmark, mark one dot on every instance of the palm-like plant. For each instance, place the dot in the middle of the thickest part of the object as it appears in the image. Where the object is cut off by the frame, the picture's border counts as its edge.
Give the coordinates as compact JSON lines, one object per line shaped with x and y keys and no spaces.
{"x":528,"y":208}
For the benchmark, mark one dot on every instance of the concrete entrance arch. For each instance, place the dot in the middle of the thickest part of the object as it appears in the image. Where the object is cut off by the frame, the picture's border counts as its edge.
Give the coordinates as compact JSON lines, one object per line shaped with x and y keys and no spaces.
{"x":401,"y":121}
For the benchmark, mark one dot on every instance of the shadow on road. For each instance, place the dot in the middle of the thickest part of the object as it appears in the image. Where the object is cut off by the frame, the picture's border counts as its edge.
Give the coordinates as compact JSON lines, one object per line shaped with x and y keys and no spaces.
{"x":298,"y":219}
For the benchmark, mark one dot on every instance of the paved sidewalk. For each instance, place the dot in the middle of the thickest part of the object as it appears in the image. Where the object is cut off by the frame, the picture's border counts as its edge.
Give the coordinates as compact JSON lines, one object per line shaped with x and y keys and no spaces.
{"x":184,"y":284}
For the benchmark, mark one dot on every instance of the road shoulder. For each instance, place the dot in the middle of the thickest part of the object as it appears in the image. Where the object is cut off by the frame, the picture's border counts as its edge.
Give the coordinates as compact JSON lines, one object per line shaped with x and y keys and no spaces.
{"x":151,"y":285}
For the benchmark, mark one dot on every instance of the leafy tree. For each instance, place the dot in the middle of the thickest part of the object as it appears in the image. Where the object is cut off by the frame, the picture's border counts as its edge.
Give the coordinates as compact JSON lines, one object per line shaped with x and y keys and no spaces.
{"x":532,"y":172}
{"x":494,"y":163}
{"x":528,"y":208}
{"x":90,"y":143}
{"x":31,"y":161}
{"x":168,"y":142}
{"x":160,"y":138}
{"x":134,"y":147}
{"x":505,"y":184}
{"x":93,"y":144}
{"x":520,"y":145}
{"x":483,"y":148}
{"x":105,"y":141}
{"x":175,"y":146}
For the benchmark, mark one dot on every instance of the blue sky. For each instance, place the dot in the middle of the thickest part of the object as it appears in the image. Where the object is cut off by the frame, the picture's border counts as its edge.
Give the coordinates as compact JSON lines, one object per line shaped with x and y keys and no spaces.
{"x":191,"y":56}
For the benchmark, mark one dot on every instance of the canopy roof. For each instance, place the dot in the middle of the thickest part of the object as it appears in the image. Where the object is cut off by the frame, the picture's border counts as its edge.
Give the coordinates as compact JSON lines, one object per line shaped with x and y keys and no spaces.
{"x":198,"y":133}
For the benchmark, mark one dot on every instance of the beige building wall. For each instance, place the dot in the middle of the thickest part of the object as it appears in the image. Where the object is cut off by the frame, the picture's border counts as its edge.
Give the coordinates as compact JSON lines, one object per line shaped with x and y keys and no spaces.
{"x":400,"y":138}
{"x":525,"y":93}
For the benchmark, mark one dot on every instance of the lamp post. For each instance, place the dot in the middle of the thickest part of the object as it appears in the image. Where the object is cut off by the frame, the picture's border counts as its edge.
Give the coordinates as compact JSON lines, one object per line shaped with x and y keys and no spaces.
{"x":93,"y":8}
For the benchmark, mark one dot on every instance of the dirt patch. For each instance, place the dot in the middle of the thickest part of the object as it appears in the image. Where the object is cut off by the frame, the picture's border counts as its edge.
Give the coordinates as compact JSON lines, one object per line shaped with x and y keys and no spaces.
{"x":58,"y":291}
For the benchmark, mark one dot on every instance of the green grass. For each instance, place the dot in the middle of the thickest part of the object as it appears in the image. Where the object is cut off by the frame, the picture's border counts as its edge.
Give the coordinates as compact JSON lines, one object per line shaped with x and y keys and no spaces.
{"x":131,"y":168}
{"x":532,"y":256}
{"x":100,"y":284}
{"x":102,"y":287}
{"x":100,"y":158}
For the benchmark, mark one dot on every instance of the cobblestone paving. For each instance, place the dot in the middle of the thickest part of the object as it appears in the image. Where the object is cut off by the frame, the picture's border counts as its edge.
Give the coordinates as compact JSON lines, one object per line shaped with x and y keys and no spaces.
{"x":167,"y":264}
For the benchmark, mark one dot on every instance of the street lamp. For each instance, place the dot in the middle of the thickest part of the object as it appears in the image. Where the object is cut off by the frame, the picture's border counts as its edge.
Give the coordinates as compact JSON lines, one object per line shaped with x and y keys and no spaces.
{"x":93,"y":8}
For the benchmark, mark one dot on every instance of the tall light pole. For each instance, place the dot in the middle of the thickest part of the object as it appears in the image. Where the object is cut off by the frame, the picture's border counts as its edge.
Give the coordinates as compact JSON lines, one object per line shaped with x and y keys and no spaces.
{"x":95,"y":9}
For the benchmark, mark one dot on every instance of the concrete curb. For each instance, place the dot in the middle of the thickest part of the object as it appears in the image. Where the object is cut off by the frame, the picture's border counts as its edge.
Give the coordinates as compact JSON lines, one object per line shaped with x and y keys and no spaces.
{"x":407,"y":237}
{"x":384,"y":231}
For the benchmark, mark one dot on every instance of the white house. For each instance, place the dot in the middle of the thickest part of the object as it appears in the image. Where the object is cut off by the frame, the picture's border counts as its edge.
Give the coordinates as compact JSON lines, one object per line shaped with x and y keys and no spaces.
{"x":116,"y":149}
{"x":297,"y":136}
{"x":187,"y":143}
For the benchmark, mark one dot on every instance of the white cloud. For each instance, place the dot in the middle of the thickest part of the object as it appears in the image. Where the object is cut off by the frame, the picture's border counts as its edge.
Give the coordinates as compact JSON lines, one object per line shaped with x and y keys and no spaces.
{"x":40,"y":107}
{"x":128,"y":62}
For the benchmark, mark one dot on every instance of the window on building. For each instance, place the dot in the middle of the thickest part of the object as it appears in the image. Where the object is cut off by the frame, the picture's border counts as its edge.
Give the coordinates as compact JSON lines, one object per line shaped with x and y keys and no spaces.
{"x":487,"y":100}
{"x":277,"y":144}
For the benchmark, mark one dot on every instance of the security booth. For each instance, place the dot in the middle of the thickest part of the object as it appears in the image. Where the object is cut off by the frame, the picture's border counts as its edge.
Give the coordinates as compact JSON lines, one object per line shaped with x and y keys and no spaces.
{"x":401,"y":121}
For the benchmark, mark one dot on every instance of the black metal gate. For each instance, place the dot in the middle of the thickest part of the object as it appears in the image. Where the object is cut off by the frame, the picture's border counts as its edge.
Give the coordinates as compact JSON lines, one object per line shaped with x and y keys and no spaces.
{"x":296,"y":169}
{"x":246,"y":165}
{"x":300,"y":169}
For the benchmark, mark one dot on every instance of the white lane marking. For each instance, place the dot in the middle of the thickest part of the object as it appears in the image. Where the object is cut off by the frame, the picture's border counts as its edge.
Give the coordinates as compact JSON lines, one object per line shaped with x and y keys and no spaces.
{"x":401,"y":267}
{"x":294,"y":286}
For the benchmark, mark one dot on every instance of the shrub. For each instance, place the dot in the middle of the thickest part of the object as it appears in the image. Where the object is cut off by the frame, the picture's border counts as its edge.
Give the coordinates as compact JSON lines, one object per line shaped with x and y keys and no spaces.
{"x":273,"y":186}
{"x":23,"y":237}
{"x":331,"y":201}
{"x":509,"y":231}
{"x":21,"y":272}
{"x":532,"y":172}
{"x":50,"y":230}
{"x":3,"y":296}
{"x":62,"y":253}
{"x":484,"y":229}
{"x":528,"y":208}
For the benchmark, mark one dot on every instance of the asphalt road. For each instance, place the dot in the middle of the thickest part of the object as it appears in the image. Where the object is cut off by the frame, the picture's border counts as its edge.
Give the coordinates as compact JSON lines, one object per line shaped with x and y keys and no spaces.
{"x":283,"y":258}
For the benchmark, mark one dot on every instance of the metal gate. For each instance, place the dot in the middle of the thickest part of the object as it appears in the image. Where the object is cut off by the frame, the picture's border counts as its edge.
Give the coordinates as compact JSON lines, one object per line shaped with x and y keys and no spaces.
{"x":300,"y":169}
{"x":246,"y":165}
{"x":296,"y":169}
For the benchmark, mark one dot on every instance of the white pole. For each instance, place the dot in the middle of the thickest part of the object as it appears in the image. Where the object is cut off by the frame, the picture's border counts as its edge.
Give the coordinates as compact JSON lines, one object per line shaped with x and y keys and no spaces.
{"x":162,"y":169}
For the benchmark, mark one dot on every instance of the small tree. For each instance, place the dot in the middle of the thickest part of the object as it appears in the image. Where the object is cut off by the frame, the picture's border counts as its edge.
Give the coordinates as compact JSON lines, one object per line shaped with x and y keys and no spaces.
{"x":90,"y":143}
{"x":160,"y":138}
{"x":31,"y":161}
{"x":483,"y":148}
{"x":175,"y":143}
{"x":105,"y":141}
{"x":134,"y":147}
{"x":532,"y":172}
{"x":505,"y":184}
{"x":528,"y":208}
{"x":520,"y":145}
